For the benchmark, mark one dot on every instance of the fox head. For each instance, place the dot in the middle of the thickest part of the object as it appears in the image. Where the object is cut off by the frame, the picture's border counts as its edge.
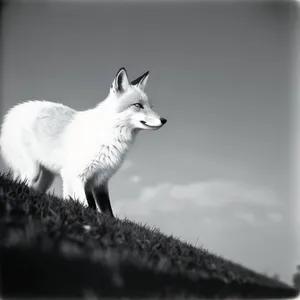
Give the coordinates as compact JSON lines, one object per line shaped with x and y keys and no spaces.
{"x":131,"y":104}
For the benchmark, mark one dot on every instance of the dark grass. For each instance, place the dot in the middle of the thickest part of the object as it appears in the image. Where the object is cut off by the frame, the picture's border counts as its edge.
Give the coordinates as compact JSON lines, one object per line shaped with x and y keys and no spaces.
{"x":46,"y":251}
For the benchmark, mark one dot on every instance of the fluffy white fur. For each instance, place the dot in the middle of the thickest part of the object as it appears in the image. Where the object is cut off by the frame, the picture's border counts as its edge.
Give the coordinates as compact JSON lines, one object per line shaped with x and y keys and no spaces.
{"x":41,"y":139}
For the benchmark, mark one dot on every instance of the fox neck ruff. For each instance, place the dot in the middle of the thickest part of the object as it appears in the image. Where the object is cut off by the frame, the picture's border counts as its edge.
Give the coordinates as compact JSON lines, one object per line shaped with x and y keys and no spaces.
{"x":110,"y":154}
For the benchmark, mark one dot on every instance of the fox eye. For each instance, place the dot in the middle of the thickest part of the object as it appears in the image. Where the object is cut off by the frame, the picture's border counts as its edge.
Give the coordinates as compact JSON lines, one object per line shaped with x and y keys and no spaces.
{"x":139,"y":105}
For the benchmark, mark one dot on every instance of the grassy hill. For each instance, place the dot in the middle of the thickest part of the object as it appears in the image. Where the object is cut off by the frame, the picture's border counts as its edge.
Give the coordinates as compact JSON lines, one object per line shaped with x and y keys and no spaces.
{"x":55,"y":248}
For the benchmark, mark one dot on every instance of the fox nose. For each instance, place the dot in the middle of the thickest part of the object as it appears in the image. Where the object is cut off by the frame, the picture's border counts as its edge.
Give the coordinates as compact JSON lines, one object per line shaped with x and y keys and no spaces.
{"x":163,"y":120}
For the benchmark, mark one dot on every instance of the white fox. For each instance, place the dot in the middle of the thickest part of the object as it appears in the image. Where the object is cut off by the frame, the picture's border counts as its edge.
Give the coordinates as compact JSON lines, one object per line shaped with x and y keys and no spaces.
{"x":42,"y":139}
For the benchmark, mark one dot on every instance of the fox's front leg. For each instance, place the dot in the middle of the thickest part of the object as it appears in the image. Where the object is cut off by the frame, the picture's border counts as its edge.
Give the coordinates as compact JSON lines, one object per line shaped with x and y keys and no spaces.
{"x":101,"y":196}
{"x":74,"y":187}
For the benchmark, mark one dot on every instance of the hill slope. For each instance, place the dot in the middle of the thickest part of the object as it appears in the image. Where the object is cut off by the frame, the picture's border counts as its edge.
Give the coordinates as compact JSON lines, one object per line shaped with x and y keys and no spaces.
{"x":55,"y":248}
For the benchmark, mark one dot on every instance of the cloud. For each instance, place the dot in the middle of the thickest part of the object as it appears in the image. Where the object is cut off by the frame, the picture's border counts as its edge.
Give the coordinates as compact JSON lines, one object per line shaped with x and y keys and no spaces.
{"x":135,"y":179}
{"x":167,"y":197}
{"x":150,"y":200}
{"x":247,"y":217}
{"x":275,"y":217}
{"x":223,"y":192}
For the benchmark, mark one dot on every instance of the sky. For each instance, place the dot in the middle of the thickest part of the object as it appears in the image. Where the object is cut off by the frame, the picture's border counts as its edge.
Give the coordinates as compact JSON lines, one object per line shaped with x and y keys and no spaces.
{"x":218,"y":174}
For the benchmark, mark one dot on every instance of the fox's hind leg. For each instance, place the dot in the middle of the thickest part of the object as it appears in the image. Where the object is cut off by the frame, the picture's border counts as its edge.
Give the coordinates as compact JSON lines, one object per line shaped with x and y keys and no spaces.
{"x":45,"y":180}
{"x":14,"y":173}
{"x":28,"y":171}
{"x":20,"y":164}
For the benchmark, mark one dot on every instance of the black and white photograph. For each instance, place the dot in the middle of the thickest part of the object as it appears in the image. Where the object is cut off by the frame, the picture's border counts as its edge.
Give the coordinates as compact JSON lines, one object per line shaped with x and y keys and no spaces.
{"x":147,"y":149}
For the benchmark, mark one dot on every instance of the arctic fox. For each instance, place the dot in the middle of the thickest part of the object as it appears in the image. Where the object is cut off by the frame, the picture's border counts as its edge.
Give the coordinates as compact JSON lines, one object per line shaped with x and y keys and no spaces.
{"x":42,"y":139}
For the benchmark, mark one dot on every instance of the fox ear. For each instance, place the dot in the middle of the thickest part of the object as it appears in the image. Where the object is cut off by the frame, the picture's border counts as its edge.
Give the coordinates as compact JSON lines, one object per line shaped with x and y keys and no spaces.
{"x":141,"y":81}
{"x":120,"y":83}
